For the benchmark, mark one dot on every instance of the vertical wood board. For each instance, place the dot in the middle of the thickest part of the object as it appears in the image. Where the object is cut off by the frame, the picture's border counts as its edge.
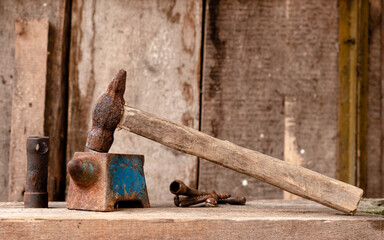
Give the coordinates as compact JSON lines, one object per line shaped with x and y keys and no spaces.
{"x":374,"y":172}
{"x":353,"y":92}
{"x":362,"y":95}
{"x":382,"y":98}
{"x":56,"y":88}
{"x":28,"y":99}
{"x":346,"y":168}
{"x":258,"y":54}
{"x":6,"y":80}
{"x":158,"y":43}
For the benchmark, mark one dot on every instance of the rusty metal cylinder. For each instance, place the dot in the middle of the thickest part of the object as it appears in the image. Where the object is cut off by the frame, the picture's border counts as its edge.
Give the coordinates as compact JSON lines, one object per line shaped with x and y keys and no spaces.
{"x":178,"y":187}
{"x":36,"y":195}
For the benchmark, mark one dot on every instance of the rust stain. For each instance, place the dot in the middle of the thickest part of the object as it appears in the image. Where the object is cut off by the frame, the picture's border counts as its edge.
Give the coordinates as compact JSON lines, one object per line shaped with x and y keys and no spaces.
{"x":187,"y":93}
{"x":219,"y":47}
{"x":167,"y":8}
{"x":189,"y":30}
{"x":187,"y":119}
{"x":218,"y":55}
{"x":180,"y":69}
{"x":107,"y":114}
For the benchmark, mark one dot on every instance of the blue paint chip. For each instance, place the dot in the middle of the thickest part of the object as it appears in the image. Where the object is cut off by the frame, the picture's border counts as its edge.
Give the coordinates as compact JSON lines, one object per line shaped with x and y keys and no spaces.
{"x":127,"y":176}
{"x":87,"y":167}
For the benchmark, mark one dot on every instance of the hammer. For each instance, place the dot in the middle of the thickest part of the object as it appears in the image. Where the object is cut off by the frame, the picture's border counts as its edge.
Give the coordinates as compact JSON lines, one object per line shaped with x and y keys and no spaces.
{"x":111,"y":113}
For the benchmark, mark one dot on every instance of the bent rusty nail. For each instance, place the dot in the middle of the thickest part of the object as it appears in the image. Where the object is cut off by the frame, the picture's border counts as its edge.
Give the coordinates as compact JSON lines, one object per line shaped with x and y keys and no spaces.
{"x":233,"y":200}
{"x":189,"y":201}
{"x":176,"y":200}
{"x":212,"y":200}
{"x":223,"y":196}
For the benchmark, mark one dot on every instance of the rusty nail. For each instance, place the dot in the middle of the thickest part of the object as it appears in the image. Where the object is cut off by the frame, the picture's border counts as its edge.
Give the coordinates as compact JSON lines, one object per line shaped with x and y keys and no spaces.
{"x":212,"y":200}
{"x":233,"y":200}
{"x":209,"y":199}
{"x":176,"y":200}
{"x":223,"y":196}
{"x":36,"y":195}
{"x":195,"y":196}
{"x":189,"y":201}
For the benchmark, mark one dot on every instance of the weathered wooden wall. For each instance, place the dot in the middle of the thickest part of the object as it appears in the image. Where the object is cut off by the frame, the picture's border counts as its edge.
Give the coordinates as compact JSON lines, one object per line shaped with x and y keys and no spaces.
{"x":28,"y":98}
{"x":270,"y":84}
{"x":158,"y":43}
{"x":56,"y":86}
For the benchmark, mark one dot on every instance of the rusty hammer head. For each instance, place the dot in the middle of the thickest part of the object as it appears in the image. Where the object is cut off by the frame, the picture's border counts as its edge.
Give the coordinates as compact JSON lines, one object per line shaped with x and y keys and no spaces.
{"x":107,"y":114}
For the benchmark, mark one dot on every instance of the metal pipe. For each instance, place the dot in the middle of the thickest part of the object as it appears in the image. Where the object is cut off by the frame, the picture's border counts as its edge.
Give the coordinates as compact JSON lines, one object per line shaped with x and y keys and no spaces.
{"x":36,"y":195}
{"x":178,"y":187}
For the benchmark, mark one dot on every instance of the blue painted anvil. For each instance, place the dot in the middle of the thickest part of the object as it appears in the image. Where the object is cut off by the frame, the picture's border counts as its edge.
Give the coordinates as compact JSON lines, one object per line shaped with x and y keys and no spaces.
{"x":100,"y":180}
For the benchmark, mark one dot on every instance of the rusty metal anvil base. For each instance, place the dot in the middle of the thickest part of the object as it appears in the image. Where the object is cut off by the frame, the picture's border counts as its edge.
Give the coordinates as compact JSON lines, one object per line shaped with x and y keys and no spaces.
{"x":100,"y":180}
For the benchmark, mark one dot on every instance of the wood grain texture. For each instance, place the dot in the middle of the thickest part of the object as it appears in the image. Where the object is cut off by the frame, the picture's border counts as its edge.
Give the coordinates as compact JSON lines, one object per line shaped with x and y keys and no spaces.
{"x":353,"y":92}
{"x":346,"y":165}
{"x":362,"y":94}
{"x":28,"y":98}
{"x":382,"y":98}
{"x":158,"y":43}
{"x":292,"y":153}
{"x":257,"y":55}
{"x":7,"y":50}
{"x":285,"y":175}
{"x":374,"y":148}
{"x":55,"y":109}
{"x":256,"y":220}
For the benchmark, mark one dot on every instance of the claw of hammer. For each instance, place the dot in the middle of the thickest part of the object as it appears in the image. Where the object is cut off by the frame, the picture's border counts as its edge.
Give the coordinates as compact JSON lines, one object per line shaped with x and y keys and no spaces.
{"x":107,"y":114}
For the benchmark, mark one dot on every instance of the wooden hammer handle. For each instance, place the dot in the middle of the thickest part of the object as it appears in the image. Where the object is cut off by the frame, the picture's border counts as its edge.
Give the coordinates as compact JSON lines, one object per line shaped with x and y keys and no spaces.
{"x":287,"y":176}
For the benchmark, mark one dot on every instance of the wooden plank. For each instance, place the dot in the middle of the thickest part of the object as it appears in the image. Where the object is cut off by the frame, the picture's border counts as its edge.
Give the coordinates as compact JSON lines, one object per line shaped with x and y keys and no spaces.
{"x":287,"y":176}
{"x":280,"y":51}
{"x":158,"y":44}
{"x":28,"y":99}
{"x":382,"y":99}
{"x":353,"y":98}
{"x":347,"y":91}
{"x":55,"y":110}
{"x":6,"y":80}
{"x":256,"y":220}
{"x":362,"y":95}
{"x":374,"y":148}
{"x":55,"y":116}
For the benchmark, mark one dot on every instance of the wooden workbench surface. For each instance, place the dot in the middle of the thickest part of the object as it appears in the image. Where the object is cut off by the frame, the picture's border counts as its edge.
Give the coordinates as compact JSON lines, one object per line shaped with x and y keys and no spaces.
{"x":259,"y":219}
